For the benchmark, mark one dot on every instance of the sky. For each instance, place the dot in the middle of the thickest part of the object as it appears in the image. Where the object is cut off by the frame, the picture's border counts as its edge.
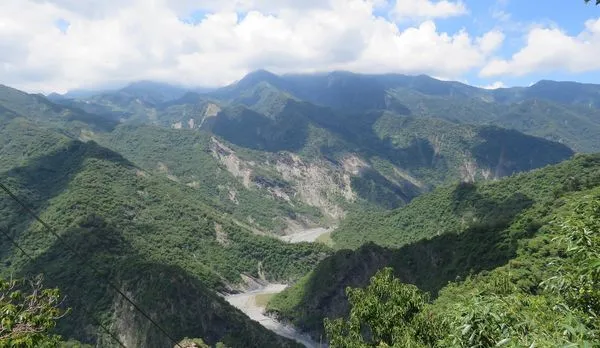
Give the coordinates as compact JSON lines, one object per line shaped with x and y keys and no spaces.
{"x":60,"y":45}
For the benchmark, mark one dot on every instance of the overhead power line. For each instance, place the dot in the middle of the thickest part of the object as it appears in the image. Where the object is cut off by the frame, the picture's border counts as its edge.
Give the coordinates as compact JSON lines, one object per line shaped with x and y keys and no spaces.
{"x":85,"y":262}
{"x":14,"y":242}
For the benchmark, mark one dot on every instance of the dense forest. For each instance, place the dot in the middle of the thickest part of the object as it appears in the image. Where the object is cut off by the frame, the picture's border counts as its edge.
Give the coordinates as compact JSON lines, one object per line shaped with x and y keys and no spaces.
{"x":518,"y":266}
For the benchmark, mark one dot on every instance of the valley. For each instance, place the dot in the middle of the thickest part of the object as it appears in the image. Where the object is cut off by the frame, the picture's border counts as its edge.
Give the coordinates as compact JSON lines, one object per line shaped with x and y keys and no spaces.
{"x":247,"y":303}
{"x":289,"y":194}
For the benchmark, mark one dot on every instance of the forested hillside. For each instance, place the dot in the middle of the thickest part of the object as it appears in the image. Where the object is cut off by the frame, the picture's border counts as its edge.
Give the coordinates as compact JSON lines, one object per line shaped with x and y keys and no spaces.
{"x":155,"y":238}
{"x":548,"y":295}
{"x":452,"y":234}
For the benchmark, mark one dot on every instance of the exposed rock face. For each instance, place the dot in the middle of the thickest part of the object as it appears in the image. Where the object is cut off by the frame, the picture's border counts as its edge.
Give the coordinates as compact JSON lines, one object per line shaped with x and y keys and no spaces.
{"x":232,"y":194}
{"x":468,"y":171}
{"x":411,"y":179}
{"x":353,"y":164}
{"x":319,"y":184}
{"x":211,"y":110}
{"x":316,"y":184}
{"x":194,"y":184}
{"x":234,"y":165}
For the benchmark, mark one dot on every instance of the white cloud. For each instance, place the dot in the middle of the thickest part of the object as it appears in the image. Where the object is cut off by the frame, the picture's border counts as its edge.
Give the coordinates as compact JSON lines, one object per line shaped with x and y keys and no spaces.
{"x":491,"y":41}
{"x":428,"y":9}
{"x":125,"y":40}
{"x":495,"y":85}
{"x":551,"y":49}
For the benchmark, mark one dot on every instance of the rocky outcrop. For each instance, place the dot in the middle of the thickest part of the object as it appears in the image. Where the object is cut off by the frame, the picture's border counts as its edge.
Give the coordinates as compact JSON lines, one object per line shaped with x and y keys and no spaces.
{"x":316,"y":184}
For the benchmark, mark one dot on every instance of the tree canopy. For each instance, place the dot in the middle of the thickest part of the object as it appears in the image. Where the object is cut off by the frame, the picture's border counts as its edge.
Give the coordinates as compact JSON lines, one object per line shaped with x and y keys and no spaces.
{"x":29,"y":313}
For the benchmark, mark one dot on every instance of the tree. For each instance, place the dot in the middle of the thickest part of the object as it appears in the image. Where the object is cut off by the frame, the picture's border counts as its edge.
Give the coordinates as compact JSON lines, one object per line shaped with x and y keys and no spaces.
{"x":28,"y":314}
{"x":578,"y":282}
{"x":597,"y":2}
{"x":386,"y":313}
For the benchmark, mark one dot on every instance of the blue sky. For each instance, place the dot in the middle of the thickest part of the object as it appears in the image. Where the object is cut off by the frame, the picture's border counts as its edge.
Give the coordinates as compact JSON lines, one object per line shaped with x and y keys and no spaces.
{"x":59,"y":45}
{"x":513,"y":17}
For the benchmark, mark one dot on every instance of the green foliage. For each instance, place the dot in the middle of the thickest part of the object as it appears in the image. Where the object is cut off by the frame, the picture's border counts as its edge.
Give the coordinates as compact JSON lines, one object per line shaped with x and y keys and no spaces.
{"x":385,"y":313}
{"x":129,"y":224}
{"x":490,"y":310}
{"x":558,"y":111}
{"x":456,"y":208}
{"x":407,"y":155}
{"x":38,"y":108}
{"x":186,"y":156}
{"x":562,"y":310}
{"x":509,"y":245}
{"x":579,"y":279}
{"x":170,"y":234}
{"x":28,"y":314}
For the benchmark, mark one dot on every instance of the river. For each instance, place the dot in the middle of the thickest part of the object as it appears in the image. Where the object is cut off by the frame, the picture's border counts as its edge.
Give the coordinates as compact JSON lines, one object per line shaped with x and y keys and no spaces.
{"x":309,"y":235}
{"x":246,"y":302}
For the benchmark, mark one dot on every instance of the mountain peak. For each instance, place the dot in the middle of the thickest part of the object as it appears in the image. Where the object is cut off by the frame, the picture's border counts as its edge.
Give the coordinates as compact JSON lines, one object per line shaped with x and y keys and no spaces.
{"x":257,"y":76}
{"x":153,"y":91}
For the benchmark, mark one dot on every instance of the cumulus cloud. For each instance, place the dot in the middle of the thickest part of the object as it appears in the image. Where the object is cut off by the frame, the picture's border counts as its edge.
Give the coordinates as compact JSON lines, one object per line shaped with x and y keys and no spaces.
{"x":552,"y":49}
{"x":428,"y":9}
{"x":114,"y":42}
{"x":491,"y":41}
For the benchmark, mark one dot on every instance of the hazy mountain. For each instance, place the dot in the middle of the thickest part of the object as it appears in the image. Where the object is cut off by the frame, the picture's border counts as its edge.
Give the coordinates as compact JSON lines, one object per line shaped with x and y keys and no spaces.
{"x":559,"y":111}
{"x":39,"y":108}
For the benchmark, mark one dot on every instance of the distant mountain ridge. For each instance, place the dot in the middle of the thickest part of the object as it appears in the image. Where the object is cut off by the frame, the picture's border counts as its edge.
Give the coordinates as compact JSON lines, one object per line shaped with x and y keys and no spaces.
{"x":567,"y":112}
{"x":308,"y":86}
{"x":559,"y":111}
{"x":566,"y":92}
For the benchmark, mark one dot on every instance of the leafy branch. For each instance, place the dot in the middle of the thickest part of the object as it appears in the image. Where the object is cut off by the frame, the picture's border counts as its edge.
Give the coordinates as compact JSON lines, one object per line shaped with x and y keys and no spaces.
{"x":28,"y":316}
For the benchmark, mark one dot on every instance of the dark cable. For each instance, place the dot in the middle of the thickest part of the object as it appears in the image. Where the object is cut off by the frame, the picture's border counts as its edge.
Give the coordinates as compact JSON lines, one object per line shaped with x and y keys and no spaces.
{"x":14,"y":242}
{"x":76,"y":253}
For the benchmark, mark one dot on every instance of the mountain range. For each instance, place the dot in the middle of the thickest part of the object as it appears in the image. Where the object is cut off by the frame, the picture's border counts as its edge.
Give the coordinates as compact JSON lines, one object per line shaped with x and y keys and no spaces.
{"x":178,"y":195}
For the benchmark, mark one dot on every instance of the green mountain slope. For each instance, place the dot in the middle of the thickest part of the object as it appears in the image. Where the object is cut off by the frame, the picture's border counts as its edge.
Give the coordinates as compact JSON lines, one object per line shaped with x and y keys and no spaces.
{"x":279,"y":164}
{"x":256,"y":196}
{"x":446,"y":235}
{"x":567,"y":112}
{"x":574,"y":125}
{"x":559,"y":111}
{"x":37,"y":107}
{"x":547,"y":296}
{"x":155,"y":238}
{"x":308,"y":165}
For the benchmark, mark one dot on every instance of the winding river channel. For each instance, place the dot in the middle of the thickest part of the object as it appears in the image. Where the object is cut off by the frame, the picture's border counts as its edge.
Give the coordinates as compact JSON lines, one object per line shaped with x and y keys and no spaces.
{"x":246,"y":302}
